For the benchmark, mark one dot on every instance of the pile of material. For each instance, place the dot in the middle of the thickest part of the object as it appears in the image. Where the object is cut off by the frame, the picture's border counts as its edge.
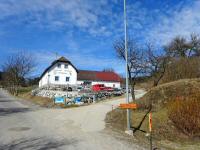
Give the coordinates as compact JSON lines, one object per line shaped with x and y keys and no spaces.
{"x":53,"y":93}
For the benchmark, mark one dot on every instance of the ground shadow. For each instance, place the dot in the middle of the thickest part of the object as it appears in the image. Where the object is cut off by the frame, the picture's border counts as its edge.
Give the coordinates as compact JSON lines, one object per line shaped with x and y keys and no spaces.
{"x":37,"y":144}
{"x":9,"y":111}
{"x":9,"y":101}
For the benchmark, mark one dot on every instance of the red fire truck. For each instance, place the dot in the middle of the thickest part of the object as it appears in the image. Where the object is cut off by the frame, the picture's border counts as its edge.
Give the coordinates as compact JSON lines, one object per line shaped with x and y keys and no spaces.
{"x":101,"y":87}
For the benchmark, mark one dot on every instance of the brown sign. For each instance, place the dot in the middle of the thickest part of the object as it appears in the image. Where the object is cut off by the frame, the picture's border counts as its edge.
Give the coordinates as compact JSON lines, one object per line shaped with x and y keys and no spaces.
{"x":128,"y":106}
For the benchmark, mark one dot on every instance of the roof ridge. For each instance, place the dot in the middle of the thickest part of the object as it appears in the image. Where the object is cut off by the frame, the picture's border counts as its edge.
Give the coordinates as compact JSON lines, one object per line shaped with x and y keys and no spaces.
{"x":98,"y":71}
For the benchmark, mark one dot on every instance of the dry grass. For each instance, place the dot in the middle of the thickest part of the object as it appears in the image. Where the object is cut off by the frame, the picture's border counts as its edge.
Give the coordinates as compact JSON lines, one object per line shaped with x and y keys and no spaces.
{"x":184,"y":113}
{"x":159,"y":96}
{"x":44,"y":101}
{"x":41,"y":101}
{"x":165,"y":132}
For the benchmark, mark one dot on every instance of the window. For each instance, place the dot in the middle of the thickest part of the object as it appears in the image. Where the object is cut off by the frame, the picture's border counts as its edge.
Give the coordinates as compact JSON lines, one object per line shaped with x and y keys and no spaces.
{"x":56,"y":78}
{"x":67,"y":78}
{"x":87,"y":83}
{"x":59,"y":65}
{"x":66,"y":66}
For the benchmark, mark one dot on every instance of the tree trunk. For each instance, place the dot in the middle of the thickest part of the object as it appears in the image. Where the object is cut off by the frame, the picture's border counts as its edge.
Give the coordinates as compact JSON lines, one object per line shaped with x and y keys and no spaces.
{"x":155,"y":83}
{"x":133,"y":91}
{"x":132,"y":84}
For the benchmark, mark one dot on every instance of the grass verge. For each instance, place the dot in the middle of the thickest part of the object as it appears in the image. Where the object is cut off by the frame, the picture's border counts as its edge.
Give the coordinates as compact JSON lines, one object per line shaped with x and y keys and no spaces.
{"x":165,"y":132}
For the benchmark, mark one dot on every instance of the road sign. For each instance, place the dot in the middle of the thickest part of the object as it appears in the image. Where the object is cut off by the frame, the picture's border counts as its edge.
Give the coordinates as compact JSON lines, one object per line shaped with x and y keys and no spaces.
{"x":59,"y":100}
{"x":128,"y":106}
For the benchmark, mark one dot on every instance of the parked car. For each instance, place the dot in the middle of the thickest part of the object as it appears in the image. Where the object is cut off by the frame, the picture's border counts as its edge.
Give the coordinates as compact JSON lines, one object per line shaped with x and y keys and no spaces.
{"x":117,"y":92}
{"x":79,"y":88}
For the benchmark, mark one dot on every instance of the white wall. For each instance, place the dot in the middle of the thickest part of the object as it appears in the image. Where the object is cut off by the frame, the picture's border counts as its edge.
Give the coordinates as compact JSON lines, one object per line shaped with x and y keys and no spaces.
{"x":62,"y":73}
{"x":107,"y":84}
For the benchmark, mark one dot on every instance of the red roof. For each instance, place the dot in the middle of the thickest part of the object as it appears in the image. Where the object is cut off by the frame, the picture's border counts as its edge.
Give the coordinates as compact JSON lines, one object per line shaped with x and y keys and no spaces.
{"x":98,"y":76}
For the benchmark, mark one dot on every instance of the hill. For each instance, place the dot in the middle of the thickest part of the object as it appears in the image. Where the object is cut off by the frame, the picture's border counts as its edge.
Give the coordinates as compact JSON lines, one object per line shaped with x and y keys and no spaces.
{"x":163,"y":94}
{"x":169,"y":117}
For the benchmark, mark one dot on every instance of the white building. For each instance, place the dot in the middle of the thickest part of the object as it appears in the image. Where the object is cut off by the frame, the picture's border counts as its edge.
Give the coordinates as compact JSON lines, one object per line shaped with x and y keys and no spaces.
{"x":63,"y":72}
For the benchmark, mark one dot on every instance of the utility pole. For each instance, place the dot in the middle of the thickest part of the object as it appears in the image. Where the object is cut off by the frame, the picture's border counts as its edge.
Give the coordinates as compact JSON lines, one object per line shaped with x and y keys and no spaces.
{"x":126,"y":55}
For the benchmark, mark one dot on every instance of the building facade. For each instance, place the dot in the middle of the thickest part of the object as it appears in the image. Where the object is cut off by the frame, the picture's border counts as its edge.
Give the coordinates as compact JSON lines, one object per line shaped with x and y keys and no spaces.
{"x":63,"y":72}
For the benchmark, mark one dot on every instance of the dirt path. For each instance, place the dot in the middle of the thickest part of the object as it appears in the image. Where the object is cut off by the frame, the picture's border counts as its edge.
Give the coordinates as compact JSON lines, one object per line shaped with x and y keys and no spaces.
{"x":26,"y":127}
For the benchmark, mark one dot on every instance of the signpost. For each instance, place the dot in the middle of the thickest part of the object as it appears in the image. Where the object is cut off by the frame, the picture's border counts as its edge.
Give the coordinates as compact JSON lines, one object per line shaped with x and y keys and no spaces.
{"x":128,"y":106}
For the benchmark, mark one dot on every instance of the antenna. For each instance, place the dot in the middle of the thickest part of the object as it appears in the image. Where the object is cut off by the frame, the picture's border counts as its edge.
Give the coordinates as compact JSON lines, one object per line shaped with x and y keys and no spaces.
{"x":56,"y":54}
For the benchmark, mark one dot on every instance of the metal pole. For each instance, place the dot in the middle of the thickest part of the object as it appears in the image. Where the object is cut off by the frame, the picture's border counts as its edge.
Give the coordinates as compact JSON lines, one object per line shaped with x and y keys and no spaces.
{"x":151,"y":143}
{"x":126,"y":56}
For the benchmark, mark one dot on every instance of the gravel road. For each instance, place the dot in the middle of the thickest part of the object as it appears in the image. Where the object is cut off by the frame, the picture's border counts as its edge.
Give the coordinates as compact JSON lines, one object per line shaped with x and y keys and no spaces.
{"x":26,"y":126}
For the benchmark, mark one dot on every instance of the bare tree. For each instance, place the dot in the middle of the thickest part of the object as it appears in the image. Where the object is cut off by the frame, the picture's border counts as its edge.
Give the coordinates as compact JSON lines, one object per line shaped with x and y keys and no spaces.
{"x":184,"y":58}
{"x":182,"y":47}
{"x":157,"y":64}
{"x":136,"y":63}
{"x":178,"y":47}
{"x":16,"y":69}
{"x":194,"y":45}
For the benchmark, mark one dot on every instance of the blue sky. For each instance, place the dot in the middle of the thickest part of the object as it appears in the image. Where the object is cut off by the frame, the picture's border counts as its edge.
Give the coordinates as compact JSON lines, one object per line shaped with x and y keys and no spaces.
{"x":84,"y":30}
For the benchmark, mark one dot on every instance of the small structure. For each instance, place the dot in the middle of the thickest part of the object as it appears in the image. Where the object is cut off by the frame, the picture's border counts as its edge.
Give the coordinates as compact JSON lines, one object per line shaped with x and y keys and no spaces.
{"x":109,"y":79}
{"x":63,"y":73}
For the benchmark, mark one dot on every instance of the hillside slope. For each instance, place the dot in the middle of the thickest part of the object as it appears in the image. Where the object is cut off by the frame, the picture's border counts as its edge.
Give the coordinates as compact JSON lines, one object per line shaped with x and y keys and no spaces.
{"x":159,"y":96}
{"x":165,"y":132}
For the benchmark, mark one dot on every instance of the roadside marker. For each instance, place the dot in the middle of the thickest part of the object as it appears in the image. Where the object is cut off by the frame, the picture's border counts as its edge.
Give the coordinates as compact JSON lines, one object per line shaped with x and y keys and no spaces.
{"x":128,"y":106}
{"x":150,"y":122}
{"x":150,"y":130}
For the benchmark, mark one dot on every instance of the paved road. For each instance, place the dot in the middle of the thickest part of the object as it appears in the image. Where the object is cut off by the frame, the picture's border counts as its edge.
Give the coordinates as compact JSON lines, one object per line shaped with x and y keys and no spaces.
{"x":25,"y":126}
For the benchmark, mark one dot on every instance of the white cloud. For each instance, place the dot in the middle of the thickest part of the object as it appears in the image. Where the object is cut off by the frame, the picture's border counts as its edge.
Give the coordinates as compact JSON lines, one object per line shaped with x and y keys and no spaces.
{"x":84,"y":14}
{"x":180,"y":21}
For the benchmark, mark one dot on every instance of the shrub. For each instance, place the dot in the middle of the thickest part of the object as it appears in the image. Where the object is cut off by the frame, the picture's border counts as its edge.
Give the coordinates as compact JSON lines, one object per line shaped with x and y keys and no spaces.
{"x":184,"y":112}
{"x":182,"y":68}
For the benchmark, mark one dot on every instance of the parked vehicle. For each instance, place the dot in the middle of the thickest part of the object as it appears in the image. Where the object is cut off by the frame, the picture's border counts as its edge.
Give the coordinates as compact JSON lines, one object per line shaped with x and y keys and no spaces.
{"x":101,"y":87}
{"x":79,"y":88}
{"x":98,"y":87}
{"x":117,"y":92}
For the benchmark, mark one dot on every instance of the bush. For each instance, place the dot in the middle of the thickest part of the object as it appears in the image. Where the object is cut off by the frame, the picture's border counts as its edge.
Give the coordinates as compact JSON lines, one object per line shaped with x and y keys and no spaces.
{"x":182,"y":68}
{"x":185,"y":115}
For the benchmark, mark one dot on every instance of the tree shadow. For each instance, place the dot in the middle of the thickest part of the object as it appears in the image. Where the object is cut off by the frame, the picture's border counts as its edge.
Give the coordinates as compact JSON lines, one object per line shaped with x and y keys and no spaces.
{"x":37,"y":144}
{"x":9,"y":111}
{"x":6,"y":101}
